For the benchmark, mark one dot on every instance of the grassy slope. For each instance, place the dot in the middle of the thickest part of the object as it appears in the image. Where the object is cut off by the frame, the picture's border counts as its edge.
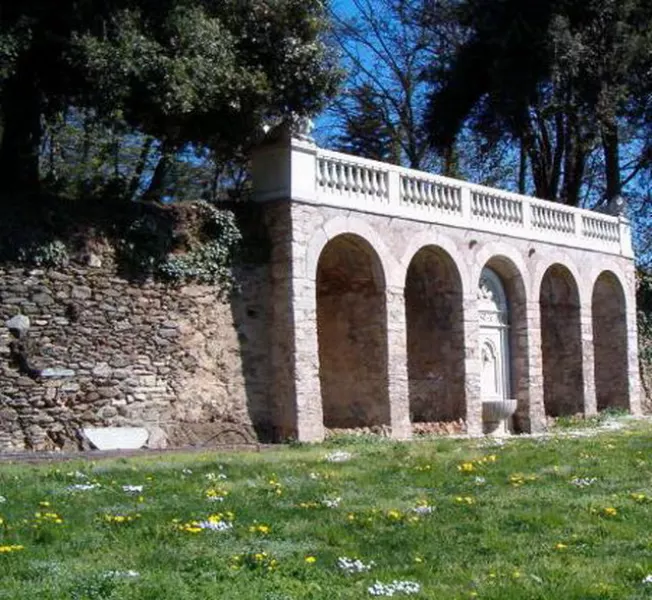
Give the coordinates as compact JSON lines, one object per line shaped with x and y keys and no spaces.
{"x":526,"y":532}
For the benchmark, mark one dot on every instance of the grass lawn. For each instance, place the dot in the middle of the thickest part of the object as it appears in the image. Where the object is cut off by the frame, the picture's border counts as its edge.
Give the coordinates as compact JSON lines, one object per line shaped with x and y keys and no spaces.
{"x":530,"y":519}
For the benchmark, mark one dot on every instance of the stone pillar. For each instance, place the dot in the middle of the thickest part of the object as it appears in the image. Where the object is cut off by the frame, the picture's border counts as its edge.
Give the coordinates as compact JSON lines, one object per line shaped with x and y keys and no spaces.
{"x":472,"y":390}
{"x":633,"y":366}
{"x":588,"y":359}
{"x":533,"y":382}
{"x":295,"y":396}
{"x":310,"y":417}
{"x":397,"y":373}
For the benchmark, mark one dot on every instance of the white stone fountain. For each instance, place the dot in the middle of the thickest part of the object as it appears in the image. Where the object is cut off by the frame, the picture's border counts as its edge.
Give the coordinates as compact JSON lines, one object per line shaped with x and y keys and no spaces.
{"x":496,"y":414}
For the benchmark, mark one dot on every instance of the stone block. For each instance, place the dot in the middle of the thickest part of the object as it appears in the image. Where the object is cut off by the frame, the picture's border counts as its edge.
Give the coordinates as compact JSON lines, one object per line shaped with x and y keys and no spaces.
{"x":116,"y":438}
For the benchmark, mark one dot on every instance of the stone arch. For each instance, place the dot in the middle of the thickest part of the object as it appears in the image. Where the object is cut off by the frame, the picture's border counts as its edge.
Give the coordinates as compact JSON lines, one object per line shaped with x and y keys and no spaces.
{"x":352,"y":334}
{"x":513,"y":266}
{"x":561,"y":342}
{"x":435,"y":337}
{"x":609,"y":320}
{"x":561,"y":258}
{"x":447,"y":245}
{"x":307,"y":266}
{"x":509,"y":267}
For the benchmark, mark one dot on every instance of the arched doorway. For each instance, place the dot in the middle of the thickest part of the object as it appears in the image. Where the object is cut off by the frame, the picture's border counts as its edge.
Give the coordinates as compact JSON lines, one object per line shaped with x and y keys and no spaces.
{"x":561,"y":343}
{"x":610,"y":343}
{"x":495,"y":374}
{"x":435,"y":338}
{"x":352,"y":334}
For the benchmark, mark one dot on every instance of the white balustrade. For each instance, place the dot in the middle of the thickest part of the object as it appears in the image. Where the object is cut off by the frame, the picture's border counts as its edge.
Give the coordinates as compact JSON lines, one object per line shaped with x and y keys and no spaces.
{"x":431,"y":193}
{"x":597,"y":227}
{"x":307,"y":173}
{"x":496,"y":207}
{"x":346,"y":177}
{"x":551,"y":217}
{"x":363,"y":184}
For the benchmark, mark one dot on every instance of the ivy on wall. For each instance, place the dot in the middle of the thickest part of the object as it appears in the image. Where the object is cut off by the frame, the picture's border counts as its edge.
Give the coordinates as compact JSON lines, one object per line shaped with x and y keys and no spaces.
{"x":185,"y":242}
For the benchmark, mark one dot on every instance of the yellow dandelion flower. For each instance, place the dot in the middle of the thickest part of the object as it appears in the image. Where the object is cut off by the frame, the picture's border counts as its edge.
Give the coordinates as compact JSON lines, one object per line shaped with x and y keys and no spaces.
{"x":310,"y":559}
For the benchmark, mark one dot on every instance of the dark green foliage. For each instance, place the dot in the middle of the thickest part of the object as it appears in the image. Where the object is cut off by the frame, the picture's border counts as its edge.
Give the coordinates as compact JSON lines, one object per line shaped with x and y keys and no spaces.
{"x":561,"y":78}
{"x":182,"y":71}
{"x":366,"y":129}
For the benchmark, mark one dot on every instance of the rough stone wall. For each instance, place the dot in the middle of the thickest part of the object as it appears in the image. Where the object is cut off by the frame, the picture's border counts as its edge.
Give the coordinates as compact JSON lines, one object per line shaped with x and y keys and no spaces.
{"x":435,"y":339}
{"x":352,"y":332}
{"x":561,"y":337}
{"x":172,"y":360}
{"x":610,"y":343}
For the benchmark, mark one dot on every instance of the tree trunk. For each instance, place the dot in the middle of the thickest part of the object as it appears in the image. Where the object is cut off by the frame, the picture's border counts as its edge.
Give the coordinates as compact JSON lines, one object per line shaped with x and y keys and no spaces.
{"x":134,"y":184}
{"x":21,"y":136}
{"x":611,"y":159}
{"x":156,"y":187}
{"x":522,"y":168}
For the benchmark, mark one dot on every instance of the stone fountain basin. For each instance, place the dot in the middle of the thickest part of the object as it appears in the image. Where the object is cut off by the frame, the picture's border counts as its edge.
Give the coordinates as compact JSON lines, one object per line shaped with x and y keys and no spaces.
{"x":498,"y":409}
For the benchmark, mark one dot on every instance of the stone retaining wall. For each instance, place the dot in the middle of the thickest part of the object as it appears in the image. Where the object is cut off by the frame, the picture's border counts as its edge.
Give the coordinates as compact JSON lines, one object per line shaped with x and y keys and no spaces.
{"x":102,"y":351}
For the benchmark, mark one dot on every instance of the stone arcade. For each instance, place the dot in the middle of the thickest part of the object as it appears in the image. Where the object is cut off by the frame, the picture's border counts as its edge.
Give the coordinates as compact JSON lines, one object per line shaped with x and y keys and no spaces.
{"x":400,"y":297}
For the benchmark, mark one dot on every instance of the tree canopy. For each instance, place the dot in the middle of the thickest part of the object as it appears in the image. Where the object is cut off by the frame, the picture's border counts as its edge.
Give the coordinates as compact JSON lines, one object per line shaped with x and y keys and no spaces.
{"x":561,"y":77}
{"x":202,"y":72}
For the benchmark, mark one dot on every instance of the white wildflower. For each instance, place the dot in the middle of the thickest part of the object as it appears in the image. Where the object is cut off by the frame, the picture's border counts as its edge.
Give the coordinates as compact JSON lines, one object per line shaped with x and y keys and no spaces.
{"x":132,"y":489}
{"x":423,"y":509}
{"x":338,"y":456}
{"x":647,"y":579}
{"x":394,"y":588}
{"x":215,"y":525}
{"x":331,"y":502}
{"x":2,"y":499}
{"x":187,"y":471}
{"x":479,"y":480}
{"x":82,"y":487}
{"x":582,"y":482}
{"x":126,"y":574}
{"x":354,"y":565}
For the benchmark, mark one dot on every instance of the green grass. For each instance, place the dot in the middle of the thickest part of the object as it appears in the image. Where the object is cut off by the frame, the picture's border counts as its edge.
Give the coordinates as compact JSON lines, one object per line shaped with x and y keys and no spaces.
{"x":522,"y":531}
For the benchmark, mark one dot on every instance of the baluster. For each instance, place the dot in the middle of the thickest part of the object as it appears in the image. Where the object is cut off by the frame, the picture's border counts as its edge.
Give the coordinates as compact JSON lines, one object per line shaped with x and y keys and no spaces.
{"x":447,"y":201}
{"x":420,"y":192}
{"x":430,"y":194}
{"x":320,"y":171}
{"x":383,"y":186}
{"x":366,"y":182}
{"x":409,"y":191}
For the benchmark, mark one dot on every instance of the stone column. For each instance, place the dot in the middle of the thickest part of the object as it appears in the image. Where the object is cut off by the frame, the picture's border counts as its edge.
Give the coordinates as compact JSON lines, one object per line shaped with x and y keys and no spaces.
{"x":532,"y":386}
{"x":588,"y":360}
{"x":397,"y":373}
{"x":309,"y":412}
{"x":295,"y":396}
{"x":633,"y":367}
{"x":472,"y":390}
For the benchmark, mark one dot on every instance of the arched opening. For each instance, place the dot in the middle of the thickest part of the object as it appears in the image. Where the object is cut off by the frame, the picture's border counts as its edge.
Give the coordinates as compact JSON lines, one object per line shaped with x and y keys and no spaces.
{"x":610,"y":343}
{"x":435,"y":338}
{"x":561,"y":343}
{"x":504,"y":337}
{"x":352,"y":334}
